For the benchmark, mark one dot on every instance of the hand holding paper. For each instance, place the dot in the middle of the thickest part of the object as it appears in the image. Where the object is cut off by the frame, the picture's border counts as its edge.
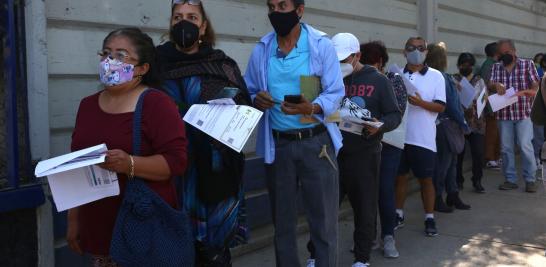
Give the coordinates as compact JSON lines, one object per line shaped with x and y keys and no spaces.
{"x":75,"y":179}
{"x":499,"y":102}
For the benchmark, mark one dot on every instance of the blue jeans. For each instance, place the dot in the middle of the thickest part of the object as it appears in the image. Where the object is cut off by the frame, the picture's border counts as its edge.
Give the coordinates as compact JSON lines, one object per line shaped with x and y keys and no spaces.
{"x":522,"y":131}
{"x":538,"y":139}
{"x":390,"y":159}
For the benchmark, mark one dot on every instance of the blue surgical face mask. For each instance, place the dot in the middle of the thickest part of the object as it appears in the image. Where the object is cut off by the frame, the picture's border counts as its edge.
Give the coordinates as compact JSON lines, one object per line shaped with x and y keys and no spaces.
{"x":416,"y":57}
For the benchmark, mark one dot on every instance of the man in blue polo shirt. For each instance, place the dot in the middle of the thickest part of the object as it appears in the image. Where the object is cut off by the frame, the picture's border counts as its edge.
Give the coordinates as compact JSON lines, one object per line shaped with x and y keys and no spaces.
{"x":298,"y":145}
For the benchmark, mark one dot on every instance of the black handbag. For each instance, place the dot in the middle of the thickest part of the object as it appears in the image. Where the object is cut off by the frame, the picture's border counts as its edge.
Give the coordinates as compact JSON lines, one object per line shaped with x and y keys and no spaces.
{"x":148,"y":231}
{"x":454,"y":135}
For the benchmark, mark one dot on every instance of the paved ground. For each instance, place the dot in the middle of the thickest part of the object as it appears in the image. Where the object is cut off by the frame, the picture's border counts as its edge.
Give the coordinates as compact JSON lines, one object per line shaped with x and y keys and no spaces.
{"x":504,"y":228}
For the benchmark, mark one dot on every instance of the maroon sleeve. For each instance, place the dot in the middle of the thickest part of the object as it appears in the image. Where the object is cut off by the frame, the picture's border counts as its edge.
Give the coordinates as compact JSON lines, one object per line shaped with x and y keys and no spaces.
{"x":82,"y":108}
{"x":164,"y":129}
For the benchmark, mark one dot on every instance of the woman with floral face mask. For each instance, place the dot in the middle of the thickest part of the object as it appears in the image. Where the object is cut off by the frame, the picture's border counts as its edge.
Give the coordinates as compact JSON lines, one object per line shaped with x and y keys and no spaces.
{"x":127,"y":68}
{"x":194,"y":73}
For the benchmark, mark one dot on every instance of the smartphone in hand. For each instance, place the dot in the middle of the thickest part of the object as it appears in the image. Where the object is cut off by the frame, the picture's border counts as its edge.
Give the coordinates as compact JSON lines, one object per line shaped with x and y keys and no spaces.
{"x":294,"y":99}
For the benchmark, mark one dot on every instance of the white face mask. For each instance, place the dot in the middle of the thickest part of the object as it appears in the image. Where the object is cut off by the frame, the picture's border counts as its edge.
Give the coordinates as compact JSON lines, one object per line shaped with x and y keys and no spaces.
{"x":346,"y":69}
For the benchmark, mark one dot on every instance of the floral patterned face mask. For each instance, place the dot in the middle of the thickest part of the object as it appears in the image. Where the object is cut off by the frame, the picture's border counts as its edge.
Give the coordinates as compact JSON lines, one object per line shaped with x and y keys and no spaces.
{"x":114,"y":72}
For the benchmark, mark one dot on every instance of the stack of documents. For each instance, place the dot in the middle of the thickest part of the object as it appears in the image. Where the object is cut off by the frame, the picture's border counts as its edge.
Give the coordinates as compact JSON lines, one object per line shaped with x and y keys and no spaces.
{"x":75,"y":179}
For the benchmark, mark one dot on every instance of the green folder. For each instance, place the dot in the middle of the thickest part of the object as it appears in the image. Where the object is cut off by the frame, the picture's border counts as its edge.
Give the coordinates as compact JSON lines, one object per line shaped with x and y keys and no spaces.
{"x":310,"y":87}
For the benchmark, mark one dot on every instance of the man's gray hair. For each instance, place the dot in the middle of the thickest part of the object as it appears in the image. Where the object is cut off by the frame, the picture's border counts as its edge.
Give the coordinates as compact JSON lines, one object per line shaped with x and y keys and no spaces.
{"x":506,"y":41}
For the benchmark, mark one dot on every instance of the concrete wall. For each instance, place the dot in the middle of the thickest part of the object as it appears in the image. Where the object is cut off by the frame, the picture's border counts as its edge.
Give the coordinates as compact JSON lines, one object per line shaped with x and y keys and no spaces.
{"x":75,"y":30}
{"x":466,"y":25}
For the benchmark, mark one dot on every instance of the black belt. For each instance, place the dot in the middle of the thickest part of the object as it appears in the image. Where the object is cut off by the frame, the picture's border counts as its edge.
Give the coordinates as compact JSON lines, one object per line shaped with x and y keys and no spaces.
{"x":299,"y":134}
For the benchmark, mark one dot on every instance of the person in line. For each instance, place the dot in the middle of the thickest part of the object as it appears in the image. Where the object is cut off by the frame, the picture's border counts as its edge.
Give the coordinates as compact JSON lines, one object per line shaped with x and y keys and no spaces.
{"x":538,"y":130}
{"x":298,"y":145}
{"x":476,"y":139}
{"x":194,"y":72}
{"x":419,"y":154}
{"x":127,"y":68}
{"x":450,"y":130}
{"x":514,"y":122}
{"x":492,"y":138}
{"x":375,"y":53}
{"x":359,"y":159}
{"x":537,"y":59}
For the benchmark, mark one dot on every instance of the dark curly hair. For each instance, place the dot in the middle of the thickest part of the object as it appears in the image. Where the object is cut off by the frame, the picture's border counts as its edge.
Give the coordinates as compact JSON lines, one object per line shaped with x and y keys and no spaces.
{"x":373,"y":53}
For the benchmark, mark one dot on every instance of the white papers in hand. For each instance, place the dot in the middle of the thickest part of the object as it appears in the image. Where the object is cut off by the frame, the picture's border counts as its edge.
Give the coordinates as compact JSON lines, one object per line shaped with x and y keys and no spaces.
{"x":481,"y":102}
{"x":468,"y":93}
{"x":75,"y":179}
{"x":410,"y":88}
{"x":499,"y":102}
{"x":397,"y":137}
{"x":222,"y":101}
{"x":351,"y":127}
{"x":232,"y":125}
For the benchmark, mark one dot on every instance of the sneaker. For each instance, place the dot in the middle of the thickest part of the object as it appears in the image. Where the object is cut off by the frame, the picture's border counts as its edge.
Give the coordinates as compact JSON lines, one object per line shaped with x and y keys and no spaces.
{"x":310,"y":262}
{"x":389,"y":247}
{"x":399,"y":222}
{"x":508,"y":186}
{"x":492,"y":165}
{"x":360,"y":264}
{"x":430,"y":227}
{"x":530,"y":187}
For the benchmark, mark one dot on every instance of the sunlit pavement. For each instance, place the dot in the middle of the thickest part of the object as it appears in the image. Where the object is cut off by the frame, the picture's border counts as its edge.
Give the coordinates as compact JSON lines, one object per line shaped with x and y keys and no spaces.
{"x":503,"y":228}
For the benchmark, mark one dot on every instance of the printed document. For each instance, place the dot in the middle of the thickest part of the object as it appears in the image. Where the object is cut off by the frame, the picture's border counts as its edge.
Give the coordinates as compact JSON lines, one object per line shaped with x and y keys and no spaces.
{"x":482,"y":101}
{"x":230,"y":124}
{"x":75,"y":179}
{"x":468,"y":93}
{"x":499,"y":102}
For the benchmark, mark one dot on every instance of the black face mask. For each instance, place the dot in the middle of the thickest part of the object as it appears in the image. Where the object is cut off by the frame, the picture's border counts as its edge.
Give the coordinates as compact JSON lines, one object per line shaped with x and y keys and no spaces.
{"x":185,"y":34}
{"x":283,"y":23}
{"x":465,"y":71}
{"x":506,"y":59}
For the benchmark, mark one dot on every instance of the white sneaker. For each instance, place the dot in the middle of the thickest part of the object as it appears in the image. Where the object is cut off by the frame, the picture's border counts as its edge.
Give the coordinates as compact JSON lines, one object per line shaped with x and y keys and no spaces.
{"x":389,"y":247}
{"x":360,"y":264}
{"x":310,"y":262}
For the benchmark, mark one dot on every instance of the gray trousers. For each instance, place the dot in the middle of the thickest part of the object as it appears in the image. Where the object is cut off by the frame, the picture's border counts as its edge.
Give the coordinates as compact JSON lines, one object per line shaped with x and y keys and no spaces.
{"x":298,"y":170}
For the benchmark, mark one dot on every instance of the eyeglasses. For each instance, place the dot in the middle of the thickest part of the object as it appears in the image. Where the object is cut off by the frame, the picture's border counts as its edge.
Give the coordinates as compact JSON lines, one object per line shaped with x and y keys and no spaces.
{"x":411,"y":48}
{"x":119,"y":55}
{"x":190,"y":2}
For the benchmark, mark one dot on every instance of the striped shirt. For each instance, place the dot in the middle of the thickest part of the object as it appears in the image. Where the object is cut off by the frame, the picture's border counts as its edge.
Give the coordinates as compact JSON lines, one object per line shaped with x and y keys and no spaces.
{"x":521,"y":78}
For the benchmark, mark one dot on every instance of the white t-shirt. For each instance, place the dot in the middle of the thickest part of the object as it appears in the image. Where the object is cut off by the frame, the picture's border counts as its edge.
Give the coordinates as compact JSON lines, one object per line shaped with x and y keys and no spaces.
{"x":421,"y":123}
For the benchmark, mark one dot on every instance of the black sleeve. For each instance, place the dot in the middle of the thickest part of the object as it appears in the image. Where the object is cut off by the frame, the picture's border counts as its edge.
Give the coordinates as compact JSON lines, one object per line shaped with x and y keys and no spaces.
{"x":390,"y":113}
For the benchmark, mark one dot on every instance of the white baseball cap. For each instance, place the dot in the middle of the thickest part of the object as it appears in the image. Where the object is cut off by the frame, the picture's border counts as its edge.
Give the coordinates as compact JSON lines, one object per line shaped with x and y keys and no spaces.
{"x":345,"y":44}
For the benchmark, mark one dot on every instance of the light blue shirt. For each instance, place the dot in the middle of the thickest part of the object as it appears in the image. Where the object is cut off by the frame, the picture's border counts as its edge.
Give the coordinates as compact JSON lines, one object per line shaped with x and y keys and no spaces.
{"x":323,"y":63}
{"x":284,"y":74}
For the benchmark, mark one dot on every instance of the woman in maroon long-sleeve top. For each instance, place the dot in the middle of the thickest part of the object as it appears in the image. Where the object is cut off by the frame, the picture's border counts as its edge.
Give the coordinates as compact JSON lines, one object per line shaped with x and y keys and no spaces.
{"x":127,"y":68}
